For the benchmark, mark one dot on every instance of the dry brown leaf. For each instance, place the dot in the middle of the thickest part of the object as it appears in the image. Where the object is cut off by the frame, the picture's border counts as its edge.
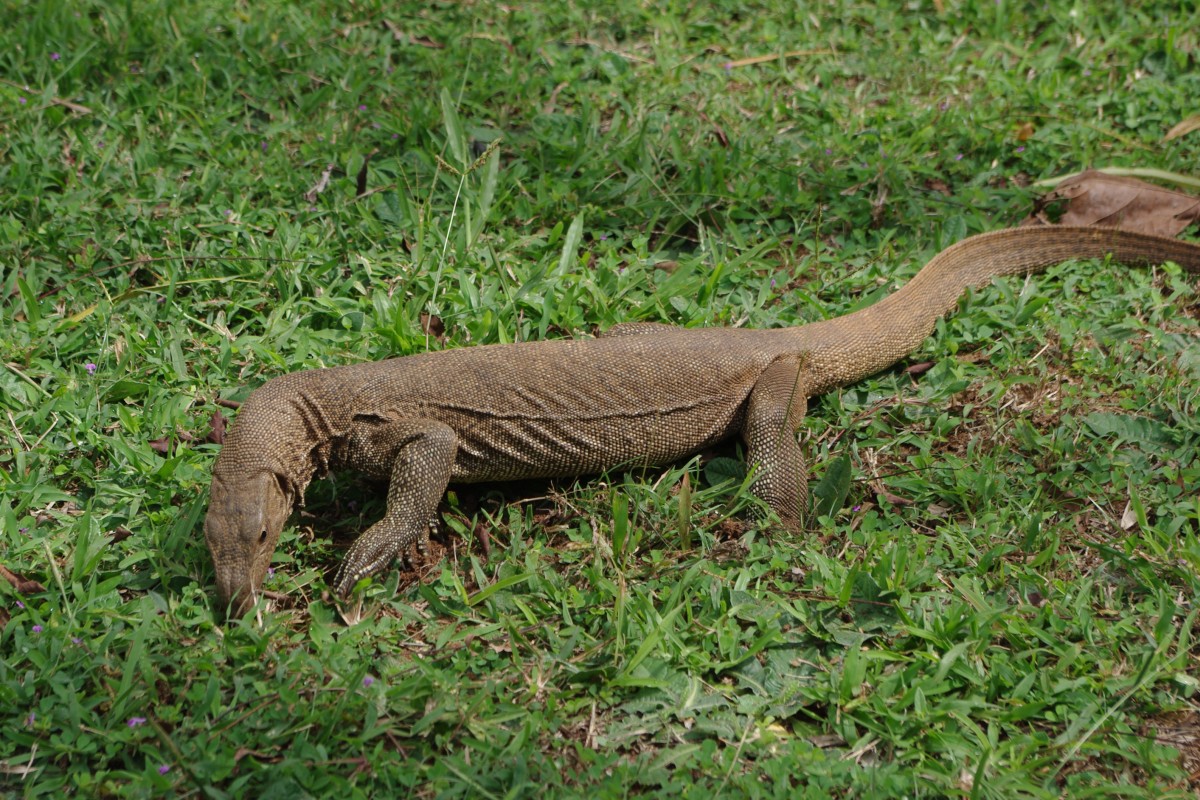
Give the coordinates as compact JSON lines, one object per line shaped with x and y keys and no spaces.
{"x":938,"y":185}
{"x":1094,"y":198}
{"x":1185,"y":127}
{"x":1025,"y":132}
{"x":361,"y":179}
{"x":746,"y":62}
{"x":432,"y":325}
{"x":894,"y":499}
{"x":19,"y":582}
{"x":216,"y":433}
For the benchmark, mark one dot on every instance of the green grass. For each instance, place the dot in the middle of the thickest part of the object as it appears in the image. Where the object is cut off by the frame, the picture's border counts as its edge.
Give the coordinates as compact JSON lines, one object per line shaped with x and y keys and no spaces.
{"x":1004,"y":606}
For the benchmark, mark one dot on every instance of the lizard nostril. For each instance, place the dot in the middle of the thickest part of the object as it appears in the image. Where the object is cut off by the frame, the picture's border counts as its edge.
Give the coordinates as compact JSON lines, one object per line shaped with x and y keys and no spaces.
{"x":262,"y":537}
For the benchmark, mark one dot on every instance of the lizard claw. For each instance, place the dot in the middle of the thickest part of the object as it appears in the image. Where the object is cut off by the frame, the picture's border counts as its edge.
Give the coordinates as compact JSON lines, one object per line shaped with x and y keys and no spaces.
{"x":375,"y":549}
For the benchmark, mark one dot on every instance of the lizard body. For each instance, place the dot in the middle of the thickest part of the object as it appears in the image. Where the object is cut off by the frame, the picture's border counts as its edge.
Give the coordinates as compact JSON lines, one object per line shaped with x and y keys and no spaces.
{"x":641,"y":394}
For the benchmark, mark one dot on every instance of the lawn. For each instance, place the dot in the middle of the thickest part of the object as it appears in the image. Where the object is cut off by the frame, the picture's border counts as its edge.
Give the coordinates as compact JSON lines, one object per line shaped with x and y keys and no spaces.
{"x":200,"y":195}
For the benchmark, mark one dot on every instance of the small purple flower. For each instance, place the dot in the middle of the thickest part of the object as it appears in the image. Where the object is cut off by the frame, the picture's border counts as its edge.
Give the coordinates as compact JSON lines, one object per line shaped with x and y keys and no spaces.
{"x":37,"y":629}
{"x":376,"y":125}
{"x":945,"y":105}
{"x":32,"y":718}
{"x":270,"y":572}
{"x":229,"y":212}
{"x":76,"y":640}
{"x":55,"y":56}
{"x":857,"y":508}
{"x":1021,"y":149}
{"x":772,"y":283}
{"x":21,"y":100}
{"x":828,"y":151}
{"x":367,"y":681}
{"x":728,"y":66}
{"x":958,"y":157}
{"x":135,"y":722}
{"x":90,"y":367}
{"x":395,"y":136}
{"x":19,"y":603}
{"x":264,"y":147}
{"x":1086,"y":72}
{"x":362,"y":108}
{"x":163,"y":769}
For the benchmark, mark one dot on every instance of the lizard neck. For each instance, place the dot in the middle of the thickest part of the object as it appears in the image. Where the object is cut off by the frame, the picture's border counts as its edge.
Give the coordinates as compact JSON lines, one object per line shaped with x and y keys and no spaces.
{"x":287,"y":427}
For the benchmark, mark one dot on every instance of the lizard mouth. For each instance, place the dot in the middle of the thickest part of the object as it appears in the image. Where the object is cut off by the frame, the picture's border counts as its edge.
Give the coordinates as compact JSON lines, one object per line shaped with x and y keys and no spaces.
{"x":236,"y":594}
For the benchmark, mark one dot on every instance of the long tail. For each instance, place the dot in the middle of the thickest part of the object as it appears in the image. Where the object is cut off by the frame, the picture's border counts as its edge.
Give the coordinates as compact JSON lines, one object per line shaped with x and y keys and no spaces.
{"x":851,"y":347}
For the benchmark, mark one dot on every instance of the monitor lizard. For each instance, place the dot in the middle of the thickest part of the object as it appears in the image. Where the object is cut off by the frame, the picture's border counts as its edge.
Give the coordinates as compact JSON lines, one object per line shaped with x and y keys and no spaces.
{"x":640,"y":394}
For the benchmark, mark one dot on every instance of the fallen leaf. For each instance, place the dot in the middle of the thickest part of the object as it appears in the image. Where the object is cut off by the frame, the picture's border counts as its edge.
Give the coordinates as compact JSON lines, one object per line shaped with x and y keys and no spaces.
{"x":22,"y":584}
{"x":216,"y":429}
{"x":399,"y":35}
{"x":1128,"y":517}
{"x":321,"y":184}
{"x":894,"y":499}
{"x":396,"y":31}
{"x":824,"y":741}
{"x":361,"y":180}
{"x":938,"y":185}
{"x":119,"y":534}
{"x":162,"y":446}
{"x":1025,"y":132}
{"x":484,"y":536}
{"x":242,"y":752}
{"x":432,"y":325}
{"x":746,"y":62}
{"x":20,"y":770}
{"x":1094,"y":198}
{"x":1185,"y":127}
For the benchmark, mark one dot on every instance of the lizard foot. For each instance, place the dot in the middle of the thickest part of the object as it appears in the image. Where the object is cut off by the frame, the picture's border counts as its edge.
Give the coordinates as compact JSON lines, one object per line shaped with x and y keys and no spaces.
{"x":375,"y":549}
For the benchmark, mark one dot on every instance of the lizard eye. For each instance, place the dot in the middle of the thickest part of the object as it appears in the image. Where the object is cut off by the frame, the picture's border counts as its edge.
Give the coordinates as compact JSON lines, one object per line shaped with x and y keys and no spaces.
{"x":262,"y":537}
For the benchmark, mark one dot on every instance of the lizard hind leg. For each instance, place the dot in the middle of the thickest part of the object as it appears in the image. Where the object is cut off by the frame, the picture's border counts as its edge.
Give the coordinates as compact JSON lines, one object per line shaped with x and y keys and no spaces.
{"x":421,"y":456}
{"x":776,"y":409}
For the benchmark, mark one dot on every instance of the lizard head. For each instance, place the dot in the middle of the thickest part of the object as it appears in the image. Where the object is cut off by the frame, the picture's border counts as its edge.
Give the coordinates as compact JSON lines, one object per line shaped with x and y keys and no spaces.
{"x":242,"y":528}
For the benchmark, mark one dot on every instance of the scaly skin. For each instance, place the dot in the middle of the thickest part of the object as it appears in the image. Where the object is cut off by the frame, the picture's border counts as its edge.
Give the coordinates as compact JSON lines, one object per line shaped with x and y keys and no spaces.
{"x":642,"y":394}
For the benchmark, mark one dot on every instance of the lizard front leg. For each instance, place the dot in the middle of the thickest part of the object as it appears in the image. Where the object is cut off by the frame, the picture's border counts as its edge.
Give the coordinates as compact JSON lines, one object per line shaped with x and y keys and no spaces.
{"x":776,"y":409}
{"x":417,"y":456}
